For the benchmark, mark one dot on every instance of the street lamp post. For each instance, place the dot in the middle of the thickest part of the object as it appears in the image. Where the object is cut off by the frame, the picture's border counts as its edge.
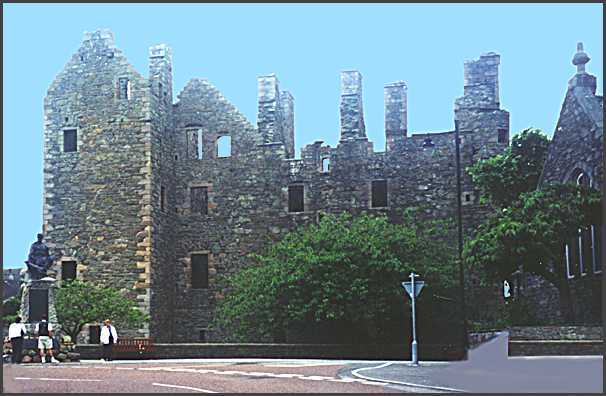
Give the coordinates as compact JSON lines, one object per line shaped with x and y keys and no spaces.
{"x":460,"y":232}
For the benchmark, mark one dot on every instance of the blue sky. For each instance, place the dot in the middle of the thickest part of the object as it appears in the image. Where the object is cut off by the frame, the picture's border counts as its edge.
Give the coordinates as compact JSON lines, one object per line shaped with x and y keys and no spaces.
{"x":306,"y":45}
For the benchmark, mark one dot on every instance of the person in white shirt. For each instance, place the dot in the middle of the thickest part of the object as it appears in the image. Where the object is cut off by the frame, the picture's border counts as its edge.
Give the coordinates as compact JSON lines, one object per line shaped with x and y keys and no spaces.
{"x":109,"y":337}
{"x":45,"y":342}
{"x":16,"y":331}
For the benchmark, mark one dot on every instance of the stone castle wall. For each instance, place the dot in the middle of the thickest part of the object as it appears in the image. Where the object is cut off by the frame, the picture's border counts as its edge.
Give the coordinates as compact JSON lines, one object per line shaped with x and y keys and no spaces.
{"x":121,"y":205}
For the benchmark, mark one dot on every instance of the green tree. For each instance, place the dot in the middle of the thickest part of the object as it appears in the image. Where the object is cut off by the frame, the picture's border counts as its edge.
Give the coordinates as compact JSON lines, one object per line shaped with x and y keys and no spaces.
{"x":78,"y":303}
{"x":502,"y":178}
{"x":532,"y":232}
{"x":344,"y":270}
{"x":10,"y":308}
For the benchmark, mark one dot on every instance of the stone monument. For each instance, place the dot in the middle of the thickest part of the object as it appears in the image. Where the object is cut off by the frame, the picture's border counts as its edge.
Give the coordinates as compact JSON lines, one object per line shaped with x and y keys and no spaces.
{"x":37,"y":299}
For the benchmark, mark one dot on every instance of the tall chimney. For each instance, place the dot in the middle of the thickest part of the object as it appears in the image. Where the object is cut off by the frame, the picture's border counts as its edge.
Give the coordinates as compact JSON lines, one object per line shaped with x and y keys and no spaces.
{"x":352,"y":114}
{"x":395,"y":114}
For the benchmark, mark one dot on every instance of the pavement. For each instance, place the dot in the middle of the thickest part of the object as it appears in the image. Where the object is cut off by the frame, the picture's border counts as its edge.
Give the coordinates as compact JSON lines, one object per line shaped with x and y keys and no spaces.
{"x":488,"y":369}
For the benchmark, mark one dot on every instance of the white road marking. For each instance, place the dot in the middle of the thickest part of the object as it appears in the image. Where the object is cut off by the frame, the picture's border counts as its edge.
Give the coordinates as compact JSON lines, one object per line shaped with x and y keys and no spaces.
{"x":301,"y":365}
{"x":59,"y":379}
{"x":185,"y":387}
{"x":125,"y":368}
{"x":356,"y":373}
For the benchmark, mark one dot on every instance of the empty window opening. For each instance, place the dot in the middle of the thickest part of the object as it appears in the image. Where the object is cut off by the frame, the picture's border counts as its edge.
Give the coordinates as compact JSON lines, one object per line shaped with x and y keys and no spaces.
{"x":325,"y":165}
{"x":224,"y":146}
{"x":159,"y":89}
{"x":123,"y":88}
{"x":199,"y":271}
{"x":70,"y":140}
{"x":200,"y":147}
{"x":467,"y":197}
{"x":296,"y":201}
{"x":162,"y":197}
{"x":585,"y":245}
{"x":379,"y":194}
{"x":66,"y":119}
{"x":199,"y":200}
{"x":575,"y":255}
{"x":503,"y":136}
{"x":176,"y":157}
{"x":68,"y":270}
{"x":81,"y":58}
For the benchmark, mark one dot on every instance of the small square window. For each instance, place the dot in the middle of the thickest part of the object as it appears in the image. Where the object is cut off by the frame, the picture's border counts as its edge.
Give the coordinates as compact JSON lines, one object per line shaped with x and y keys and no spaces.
{"x":199,"y":271}
{"x":379,"y":194}
{"x":503,"y":136}
{"x":199,"y":200}
{"x":70,"y":140}
{"x":296,"y":202}
{"x":68,"y":270}
{"x":123,"y":88}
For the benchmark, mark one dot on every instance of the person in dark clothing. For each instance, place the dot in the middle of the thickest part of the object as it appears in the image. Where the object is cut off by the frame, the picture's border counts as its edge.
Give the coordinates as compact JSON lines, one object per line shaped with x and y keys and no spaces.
{"x":16,"y":331}
{"x":109,"y":336}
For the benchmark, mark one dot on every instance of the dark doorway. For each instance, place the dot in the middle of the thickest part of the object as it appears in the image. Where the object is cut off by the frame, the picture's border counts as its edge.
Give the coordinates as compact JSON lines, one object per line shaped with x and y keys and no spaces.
{"x":38,"y":304}
{"x":94,"y":334}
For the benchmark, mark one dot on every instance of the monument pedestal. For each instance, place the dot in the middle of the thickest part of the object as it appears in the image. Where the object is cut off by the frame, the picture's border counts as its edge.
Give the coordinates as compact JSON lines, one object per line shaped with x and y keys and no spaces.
{"x":38,"y":300}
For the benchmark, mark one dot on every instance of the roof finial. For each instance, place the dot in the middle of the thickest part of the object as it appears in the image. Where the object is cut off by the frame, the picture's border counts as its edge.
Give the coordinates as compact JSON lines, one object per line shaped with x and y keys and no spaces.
{"x":580,"y":58}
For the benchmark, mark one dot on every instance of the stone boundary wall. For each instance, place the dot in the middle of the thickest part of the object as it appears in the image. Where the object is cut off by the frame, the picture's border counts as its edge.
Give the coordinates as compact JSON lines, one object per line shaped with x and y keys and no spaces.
{"x":556,"y":333}
{"x":301,"y":351}
{"x":555,"y":347}
{"x":555,"y":340}
{"x":476,"y":339}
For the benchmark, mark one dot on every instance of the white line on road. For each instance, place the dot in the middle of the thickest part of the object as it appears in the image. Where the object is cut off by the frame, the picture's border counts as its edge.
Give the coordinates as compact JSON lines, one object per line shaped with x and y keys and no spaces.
{"x":185,"y":387}
{"x":59,"y":379}
{"x":356,"y":373}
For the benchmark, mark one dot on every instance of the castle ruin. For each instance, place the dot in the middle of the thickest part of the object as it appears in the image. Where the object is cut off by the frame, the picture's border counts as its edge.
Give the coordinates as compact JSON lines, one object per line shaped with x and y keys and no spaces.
{"x":138,"y":195}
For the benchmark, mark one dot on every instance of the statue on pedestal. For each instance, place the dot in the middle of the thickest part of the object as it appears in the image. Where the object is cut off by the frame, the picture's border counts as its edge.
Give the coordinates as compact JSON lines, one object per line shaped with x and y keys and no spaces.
{"x":39,"y":260}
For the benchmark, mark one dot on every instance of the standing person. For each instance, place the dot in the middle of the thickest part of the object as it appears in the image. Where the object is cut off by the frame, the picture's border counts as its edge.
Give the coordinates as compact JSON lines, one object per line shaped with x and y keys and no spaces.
{"x":45,"y":342}
{"x":16,"y":331}
{"x":109,"y":336}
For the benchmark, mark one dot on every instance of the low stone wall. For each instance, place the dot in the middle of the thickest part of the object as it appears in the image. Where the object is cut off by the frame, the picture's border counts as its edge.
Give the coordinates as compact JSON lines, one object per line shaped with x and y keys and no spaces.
{"x":556,"y":333}
{"x":476,"y":339}
{"x":309,"y":351}
{"x":555,"y":340}
{"x":555,"y":347}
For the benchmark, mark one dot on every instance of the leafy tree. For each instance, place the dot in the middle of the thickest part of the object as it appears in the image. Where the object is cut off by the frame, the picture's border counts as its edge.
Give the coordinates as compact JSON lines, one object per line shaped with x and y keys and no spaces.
{"x":532,"y":232}
{"x":344,"y":270}
{"x":10,"y":308}
{"x":78,"y":303}
{"x":502,"y":178}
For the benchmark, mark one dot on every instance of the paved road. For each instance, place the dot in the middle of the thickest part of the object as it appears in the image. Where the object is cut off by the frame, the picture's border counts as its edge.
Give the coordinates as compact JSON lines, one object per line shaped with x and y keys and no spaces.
{"x":203,"y":377}
{"x":489,"y":369}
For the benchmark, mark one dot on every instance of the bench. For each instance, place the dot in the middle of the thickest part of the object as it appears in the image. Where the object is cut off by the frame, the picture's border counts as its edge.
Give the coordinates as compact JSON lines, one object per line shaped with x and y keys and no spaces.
{"x":139,"y":345}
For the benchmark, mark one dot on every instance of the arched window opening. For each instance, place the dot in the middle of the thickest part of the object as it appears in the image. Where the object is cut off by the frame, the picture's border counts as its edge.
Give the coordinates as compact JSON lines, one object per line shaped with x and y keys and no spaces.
{"x":583,"y":180}
{"x":224,"y":146}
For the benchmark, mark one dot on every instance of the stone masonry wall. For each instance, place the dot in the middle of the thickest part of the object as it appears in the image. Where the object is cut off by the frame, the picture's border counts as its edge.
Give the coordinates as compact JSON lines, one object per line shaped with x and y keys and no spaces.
{"x":94,"y":196}
{"x":121,"y":205}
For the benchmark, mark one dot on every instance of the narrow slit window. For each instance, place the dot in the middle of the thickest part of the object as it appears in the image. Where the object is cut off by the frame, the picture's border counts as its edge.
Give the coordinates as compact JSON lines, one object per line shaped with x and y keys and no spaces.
{"x":224,"y":146}
{"x":68,"y":270}
{"x":200,"y":147}
{"x":586,"y":248}
{"x":569,"y":273}
{"x":70,"y":140}
{"x":296,"y":202}
{"x":123,"y":88}
{"x":199,"y":271}
{"x":597,"y":247}
{"x":199,"y":200}
{"x":379,"y":194}
{"x":162,"y":198}
{"x":325,"y":165}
